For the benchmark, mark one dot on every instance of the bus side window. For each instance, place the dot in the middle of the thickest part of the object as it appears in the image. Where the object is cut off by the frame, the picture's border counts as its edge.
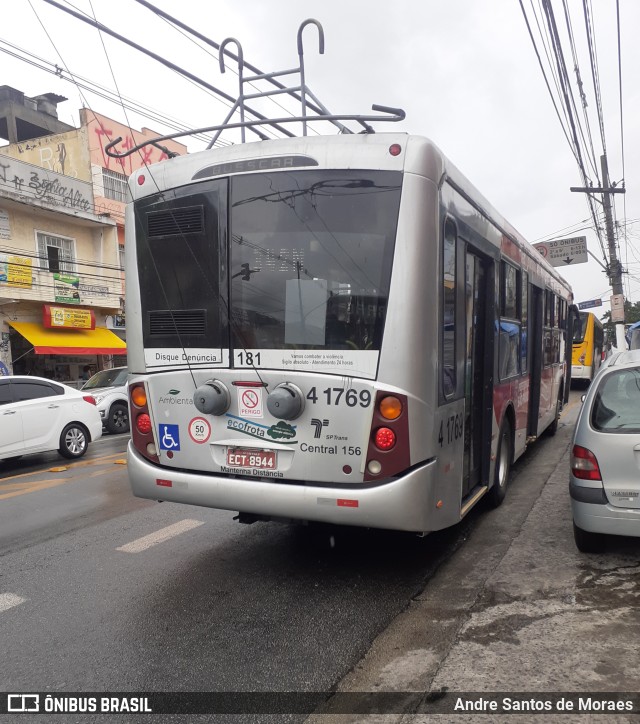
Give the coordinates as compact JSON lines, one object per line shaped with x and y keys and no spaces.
{"x":448,"y":354}
{"x":509,"y":345}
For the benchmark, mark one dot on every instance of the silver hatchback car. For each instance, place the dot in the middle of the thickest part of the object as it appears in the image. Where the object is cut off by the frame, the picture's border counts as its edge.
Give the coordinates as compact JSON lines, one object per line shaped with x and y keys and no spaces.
{"x":605,"y":458}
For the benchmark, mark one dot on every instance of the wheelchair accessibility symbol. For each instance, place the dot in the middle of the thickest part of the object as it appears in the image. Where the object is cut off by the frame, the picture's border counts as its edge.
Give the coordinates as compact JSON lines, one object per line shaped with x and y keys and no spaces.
{"x":169,"y":436}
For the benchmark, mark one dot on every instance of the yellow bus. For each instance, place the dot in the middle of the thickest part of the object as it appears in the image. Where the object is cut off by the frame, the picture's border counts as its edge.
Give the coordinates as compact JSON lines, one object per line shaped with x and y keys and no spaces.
{"x":588,"y":341}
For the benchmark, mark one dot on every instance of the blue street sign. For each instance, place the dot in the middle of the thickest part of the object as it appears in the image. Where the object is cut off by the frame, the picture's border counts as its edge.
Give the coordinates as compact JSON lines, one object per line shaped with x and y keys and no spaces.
{"x":590,"y":303}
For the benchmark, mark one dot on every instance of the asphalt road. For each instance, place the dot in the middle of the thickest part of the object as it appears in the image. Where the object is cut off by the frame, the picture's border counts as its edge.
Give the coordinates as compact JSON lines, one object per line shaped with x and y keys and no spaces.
{"x":100,"y":591}
{"x":218,"y":606}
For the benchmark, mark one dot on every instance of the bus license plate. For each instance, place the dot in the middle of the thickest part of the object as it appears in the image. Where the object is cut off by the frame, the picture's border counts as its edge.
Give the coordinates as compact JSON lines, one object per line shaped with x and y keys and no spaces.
{"x":261,"y":459}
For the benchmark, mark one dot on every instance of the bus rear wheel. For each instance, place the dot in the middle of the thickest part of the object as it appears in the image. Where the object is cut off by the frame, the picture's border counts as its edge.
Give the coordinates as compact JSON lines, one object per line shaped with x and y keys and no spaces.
{"x":503,"y":465}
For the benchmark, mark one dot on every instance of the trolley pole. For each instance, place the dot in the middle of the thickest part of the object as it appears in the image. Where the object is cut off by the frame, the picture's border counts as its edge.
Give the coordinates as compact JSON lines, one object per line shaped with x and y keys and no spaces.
{"x":614,"y":268}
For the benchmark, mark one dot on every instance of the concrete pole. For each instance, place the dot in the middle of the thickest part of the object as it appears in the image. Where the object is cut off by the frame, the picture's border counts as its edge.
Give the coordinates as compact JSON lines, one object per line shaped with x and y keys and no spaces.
{"x":615,"y":267}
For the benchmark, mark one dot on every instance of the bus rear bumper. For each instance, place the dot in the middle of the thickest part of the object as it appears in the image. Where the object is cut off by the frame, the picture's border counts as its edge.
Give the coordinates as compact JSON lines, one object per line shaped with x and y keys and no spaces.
{"x":405,"y":503}
{"x":580,"y":372}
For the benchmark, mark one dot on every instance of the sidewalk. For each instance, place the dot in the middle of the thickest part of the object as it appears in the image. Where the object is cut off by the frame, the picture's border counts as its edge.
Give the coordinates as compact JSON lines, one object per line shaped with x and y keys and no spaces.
{"x":531,"y":614}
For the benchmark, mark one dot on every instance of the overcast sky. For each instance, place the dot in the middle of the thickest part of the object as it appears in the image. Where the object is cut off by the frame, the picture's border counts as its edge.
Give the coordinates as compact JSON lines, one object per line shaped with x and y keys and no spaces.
{"x":465,"y":72}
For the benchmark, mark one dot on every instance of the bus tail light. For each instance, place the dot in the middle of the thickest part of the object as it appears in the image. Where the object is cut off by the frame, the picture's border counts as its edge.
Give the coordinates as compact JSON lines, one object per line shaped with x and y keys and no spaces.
{"x":388,"y":450}
{"x":583,"y":358}
{"x":139,"y":396}
{"x":584,"y":464}
{"x":143,"y":423}
{"x":385,"y":438}
{"x":390,"y":407}
{"x":142,"y":426}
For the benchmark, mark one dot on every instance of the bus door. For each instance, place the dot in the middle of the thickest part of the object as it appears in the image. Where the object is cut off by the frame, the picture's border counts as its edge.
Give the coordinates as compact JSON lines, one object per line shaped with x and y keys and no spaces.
{"x":477,"y":388}
{"x":536,"y":312}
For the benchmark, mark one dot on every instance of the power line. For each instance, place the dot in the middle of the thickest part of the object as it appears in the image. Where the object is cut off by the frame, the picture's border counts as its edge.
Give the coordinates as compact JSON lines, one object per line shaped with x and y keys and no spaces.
{"x":167,"y":63}
{"x":96,"y":89}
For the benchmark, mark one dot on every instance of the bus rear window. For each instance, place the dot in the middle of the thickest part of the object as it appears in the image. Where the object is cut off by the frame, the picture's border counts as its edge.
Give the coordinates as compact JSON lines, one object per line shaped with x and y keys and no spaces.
{"x":310,"y":258}
{"x":580,"y":328}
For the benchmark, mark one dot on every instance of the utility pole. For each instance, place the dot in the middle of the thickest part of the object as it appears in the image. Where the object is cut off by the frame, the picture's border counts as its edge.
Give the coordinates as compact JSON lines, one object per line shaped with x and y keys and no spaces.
{"x":614,"y":269}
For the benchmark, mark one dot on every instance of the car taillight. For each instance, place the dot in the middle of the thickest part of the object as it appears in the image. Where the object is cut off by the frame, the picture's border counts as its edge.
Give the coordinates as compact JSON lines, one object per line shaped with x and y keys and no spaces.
{"x":584,"y":464}
{"x":88,"y":398}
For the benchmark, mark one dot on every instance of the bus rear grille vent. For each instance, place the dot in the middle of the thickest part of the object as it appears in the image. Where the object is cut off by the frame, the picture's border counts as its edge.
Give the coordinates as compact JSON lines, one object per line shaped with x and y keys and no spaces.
{"x":175,"y":222}
{"x":183,"y":322}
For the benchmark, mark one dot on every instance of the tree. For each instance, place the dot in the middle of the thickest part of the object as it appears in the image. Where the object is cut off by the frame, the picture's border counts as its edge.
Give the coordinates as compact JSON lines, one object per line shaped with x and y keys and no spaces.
{"x":631,"y":315}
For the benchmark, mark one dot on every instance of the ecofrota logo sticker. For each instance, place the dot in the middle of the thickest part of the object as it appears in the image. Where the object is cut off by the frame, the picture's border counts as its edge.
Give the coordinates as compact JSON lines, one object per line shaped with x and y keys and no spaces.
{"x":282,"y":431}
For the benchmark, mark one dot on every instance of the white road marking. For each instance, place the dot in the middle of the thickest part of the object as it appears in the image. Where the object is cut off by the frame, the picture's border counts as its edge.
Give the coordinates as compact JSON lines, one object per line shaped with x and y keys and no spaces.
{"x":160,"y":536}
{"x":9,"y":600}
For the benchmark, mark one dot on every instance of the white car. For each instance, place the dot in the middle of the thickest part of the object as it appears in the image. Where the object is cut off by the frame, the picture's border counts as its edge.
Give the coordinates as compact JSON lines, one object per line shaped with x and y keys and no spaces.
{"x":109,"y":387}
{"x":37,"y":415}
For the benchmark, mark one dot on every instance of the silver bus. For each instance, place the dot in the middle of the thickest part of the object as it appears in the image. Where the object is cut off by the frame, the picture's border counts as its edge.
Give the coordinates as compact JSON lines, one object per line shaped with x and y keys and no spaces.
{"x":333,"y":328}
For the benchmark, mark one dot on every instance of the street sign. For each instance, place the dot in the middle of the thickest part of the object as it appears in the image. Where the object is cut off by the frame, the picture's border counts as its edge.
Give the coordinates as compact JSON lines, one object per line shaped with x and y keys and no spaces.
{"x":564,"y":252}
{"x":590,"y":303}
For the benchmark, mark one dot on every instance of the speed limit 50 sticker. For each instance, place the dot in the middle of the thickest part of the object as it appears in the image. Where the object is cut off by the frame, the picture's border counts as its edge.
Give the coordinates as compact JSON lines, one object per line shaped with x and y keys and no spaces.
{"x":199,"y":430}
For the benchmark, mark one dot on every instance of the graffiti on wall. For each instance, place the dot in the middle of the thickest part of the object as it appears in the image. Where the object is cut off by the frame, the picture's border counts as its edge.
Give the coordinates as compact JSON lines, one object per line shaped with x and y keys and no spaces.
{"x":103,"y":130}
{"x":51,"y":189}
{"x":63,"y":153}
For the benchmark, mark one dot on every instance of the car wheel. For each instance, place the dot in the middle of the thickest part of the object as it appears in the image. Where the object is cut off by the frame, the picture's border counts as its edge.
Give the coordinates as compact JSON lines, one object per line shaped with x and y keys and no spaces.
{"x":587,"y":542}
{"x":74,"y":441}
{"x":118,"y":420}
{"x":503,"y":465}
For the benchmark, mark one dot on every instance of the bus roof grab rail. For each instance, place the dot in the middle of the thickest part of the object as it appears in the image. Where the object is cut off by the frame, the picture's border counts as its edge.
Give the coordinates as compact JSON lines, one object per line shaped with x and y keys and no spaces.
{"x":393,"y":114}
{"x":240,"y":101}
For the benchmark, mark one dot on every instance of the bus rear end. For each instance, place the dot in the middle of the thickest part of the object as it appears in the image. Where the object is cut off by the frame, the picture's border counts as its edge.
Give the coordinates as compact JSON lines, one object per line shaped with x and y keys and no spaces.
{"x":257,"y":305}
{"x":588,"y":341}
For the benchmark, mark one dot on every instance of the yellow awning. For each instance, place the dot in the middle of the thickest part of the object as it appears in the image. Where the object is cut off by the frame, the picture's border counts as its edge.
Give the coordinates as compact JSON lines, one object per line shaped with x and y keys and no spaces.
{"x":70,"y":341}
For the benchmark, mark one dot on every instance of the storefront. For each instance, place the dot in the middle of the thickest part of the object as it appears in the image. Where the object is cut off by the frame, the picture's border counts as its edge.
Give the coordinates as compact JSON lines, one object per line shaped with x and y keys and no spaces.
{"x":67,"y":346}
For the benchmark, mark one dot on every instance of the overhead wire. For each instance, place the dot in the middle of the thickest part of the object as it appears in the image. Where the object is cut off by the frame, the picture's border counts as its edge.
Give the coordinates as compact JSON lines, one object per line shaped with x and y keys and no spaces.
{"x":577,"y":137}
{"x":160,"y":59}
{"x":583,"y":98}
{"x":100,"y":91}
{"x":569,"y":103}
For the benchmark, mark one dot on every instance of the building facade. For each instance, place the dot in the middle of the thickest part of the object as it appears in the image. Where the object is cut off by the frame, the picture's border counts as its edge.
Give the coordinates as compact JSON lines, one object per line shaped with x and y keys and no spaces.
{"x":62,"y":202}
